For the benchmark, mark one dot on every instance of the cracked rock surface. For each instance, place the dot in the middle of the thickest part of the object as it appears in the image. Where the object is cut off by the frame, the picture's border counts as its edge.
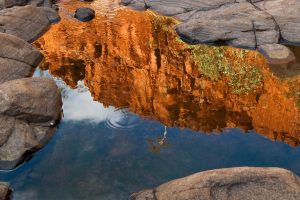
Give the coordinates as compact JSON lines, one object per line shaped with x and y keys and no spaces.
{"x":10,"y":3}
{"x":233,"y":183}
{"x":29,"y":107}
{"x":27,"y":22}
{"x":249,"y":24}
{"x":29,"y":110}
{"x":17,"y":58}
{"x":5,"y":192}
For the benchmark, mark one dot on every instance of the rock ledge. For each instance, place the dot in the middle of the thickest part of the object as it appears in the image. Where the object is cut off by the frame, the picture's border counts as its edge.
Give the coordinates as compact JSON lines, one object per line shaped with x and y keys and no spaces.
{"x":233,"y":183}
{"x":246,"y":24}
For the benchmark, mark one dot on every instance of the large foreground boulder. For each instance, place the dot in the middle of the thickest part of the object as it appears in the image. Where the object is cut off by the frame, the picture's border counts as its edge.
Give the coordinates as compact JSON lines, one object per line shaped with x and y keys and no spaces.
{"x":29,"y":110}
{"x":240,"y":23}
{"x":243,"y":183}
{"x":27,"y":22}
{"x":5,"y":192}
{"x":17,"y":58}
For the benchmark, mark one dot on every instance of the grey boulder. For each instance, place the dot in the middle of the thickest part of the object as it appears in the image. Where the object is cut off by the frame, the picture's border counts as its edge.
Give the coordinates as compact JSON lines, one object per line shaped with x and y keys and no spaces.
{"x":233,"y":183}
{"x":27,"y":22}
{"x":40,"y":3}
{"x":5,"y":192}
{"x":84,"y":14}
{"x":276,"y":53}
{"x":29,"y":110}
{"x":17,"y":58}
{"x":246,"y":24}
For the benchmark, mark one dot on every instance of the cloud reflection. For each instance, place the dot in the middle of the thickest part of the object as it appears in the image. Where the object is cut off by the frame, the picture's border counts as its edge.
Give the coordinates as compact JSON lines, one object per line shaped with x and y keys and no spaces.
{"x":80,"y":106}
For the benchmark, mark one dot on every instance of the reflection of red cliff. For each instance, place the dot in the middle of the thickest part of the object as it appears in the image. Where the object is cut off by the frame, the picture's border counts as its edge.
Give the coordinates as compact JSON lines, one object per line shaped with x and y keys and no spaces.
{"x":134,"y":60}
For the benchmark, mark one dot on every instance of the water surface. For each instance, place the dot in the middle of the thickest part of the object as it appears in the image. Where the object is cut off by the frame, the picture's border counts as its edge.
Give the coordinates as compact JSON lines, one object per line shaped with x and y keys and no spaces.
{"x":141,"y":108}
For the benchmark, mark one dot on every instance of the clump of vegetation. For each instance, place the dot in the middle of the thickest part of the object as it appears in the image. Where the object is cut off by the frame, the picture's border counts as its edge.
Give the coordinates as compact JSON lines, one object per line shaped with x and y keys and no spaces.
{"x":217,"y":62}
{"x":161,"y":25}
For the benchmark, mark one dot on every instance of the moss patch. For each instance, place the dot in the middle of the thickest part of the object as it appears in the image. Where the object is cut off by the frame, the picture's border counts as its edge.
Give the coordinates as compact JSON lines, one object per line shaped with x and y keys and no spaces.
{"x":229,"y":63}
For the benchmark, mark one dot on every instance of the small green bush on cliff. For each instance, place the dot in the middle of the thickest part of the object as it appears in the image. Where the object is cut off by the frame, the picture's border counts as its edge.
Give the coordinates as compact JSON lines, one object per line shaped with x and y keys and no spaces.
{"x":242,"y":77}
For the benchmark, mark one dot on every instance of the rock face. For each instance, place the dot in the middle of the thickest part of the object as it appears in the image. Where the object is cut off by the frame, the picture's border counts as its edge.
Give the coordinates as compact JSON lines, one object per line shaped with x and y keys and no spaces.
{"x":27,"y":22}
{"x":233,"y":183}
{"x":242,"y":23}
{"x":84,"y":14}
{"x":5,"y":192}
{"x":17,"y":58}
{"x":29,"y":109}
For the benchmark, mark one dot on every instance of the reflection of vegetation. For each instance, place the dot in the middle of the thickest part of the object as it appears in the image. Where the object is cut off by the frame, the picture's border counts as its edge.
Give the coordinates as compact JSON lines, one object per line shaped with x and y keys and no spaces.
{"x":294,"y":91}
{"x":157,"y":145}
{"x":215,"y":63}
{"x":164,"y":23}
{"x":161,"y":25}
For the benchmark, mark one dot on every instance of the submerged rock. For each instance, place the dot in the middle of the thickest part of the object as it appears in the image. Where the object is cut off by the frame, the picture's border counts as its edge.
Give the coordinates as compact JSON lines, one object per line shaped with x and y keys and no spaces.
{"x":29,"y":110}
{"x":84,"y":14}
{"x":233,"y":183}
{"x":17,"y":58}
{"x":27,"y":22}
{"x":276,"y":53}
{"x":242,"y":23}
{"x":5,"y":192}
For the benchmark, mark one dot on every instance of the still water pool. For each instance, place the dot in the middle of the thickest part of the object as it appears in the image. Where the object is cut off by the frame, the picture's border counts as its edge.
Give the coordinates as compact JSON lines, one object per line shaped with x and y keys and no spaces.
{"x":103,"y":152}
{"x":141,"y":108}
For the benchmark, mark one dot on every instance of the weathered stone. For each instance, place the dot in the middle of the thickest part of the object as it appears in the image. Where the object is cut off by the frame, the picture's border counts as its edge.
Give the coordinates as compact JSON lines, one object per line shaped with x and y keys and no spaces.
{"x":232,"y":183}
{"x":27,"y":22}
{"x":285,"y":14}
{"x":276,"y":53}
{"x":239,"y":23}
{"x":34,"y":100}
{"x":11,"y":3}
{"x":29,"y":109}
{"x":5,"y":192}
{"x":84,"y":14}
{"x":17,"y":58}
{"x":136,"y":4}
{"x":17,"y":49}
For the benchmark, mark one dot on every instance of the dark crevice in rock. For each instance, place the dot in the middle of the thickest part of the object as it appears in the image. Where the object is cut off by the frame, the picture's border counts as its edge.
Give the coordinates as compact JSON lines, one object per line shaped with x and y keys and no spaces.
{"x":154,"y":194}
{"x":254,"y":32}
{"x":146,"y":5}
{"x":255,"y":6}
{"x":277,"y":27}
{"x":216,"y":7}
{"x":18,"y":60}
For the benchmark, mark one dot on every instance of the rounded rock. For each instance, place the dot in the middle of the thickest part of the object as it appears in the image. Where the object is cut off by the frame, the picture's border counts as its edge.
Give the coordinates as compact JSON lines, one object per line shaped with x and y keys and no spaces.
{"x":84,"y":14}
{"x":276,"y":53}
{"x":263,"y":183}
{"x":5,"y":191}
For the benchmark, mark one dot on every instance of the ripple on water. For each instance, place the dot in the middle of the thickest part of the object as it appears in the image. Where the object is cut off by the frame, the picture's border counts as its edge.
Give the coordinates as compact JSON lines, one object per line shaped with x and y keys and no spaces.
{"x":126,"y":120}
